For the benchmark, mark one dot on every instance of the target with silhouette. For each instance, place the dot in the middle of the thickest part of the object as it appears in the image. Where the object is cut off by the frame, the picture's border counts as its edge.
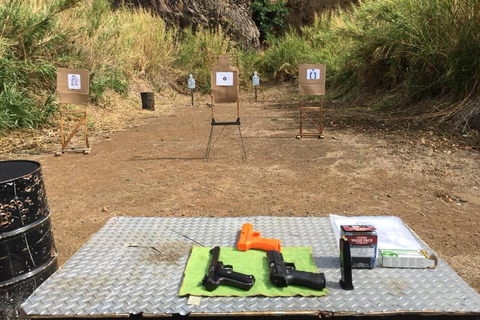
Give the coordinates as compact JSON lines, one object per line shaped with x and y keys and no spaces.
{"x":311,"y":82}
{"x":73,"y":90}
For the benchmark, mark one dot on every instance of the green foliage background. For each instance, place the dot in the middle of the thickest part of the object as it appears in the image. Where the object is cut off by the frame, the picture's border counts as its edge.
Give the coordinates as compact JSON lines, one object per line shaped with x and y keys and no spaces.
{"x":396,"y":52}
{"x":269,"y":17}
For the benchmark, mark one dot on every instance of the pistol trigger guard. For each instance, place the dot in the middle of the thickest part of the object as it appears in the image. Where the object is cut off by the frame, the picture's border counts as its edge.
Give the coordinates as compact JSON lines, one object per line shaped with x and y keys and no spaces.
{"x":289,"y":265}
{"x":228,"y":267}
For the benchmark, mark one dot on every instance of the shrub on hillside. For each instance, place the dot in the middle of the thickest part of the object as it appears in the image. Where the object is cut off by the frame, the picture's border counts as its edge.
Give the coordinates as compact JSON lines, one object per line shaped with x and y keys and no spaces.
{"x":269,"y":16}
{"x":399,"y":51}
{"x":415,"y":49}
{"x":280,"y":61}
{"x":29,"y":39}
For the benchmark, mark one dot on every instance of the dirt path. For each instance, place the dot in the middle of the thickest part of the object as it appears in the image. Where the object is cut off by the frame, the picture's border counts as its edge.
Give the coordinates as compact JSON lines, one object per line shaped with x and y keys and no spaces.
{"x":157,"y":169}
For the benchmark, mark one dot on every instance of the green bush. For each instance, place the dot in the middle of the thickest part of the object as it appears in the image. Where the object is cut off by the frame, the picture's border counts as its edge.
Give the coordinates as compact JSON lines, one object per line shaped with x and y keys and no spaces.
{"x":28,"y":39}
{"x":103,"y":79}
{"x":417,"y":48}
{"x":398,"y":51}
{"x":269,"y":17}
{"x":248,"y":64}
{"x":18,"y":110}
{"x":195,"y":51}
{"x":280,"y":61}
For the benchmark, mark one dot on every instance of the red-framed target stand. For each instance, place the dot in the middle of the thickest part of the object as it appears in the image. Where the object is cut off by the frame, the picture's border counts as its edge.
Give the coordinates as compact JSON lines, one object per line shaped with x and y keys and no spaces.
{"x":311,"y":82}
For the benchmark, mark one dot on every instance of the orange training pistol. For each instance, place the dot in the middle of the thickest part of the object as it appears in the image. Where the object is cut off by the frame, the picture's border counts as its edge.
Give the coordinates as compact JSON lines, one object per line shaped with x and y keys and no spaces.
{"x":250,"y":239}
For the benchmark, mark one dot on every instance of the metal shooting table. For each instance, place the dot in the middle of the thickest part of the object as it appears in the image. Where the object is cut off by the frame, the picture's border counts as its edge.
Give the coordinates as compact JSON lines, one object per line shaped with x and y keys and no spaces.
{"x":135,"y":265}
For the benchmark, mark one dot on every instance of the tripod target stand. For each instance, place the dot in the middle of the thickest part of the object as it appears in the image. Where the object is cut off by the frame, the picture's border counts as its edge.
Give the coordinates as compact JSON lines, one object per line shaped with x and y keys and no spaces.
{"x":225,"y":87}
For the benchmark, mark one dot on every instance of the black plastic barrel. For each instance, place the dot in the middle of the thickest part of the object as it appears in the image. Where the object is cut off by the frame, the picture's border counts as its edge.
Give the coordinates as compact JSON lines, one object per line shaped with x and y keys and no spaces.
{"x":27,"y":250}
{"x":148,"y":100}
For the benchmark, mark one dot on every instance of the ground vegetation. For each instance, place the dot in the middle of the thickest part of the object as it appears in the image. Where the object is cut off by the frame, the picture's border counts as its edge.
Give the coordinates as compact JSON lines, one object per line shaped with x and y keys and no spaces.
{"x":413,"y":59}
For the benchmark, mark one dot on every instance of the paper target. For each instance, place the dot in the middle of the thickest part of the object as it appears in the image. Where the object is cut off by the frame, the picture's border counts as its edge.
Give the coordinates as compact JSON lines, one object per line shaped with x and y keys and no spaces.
{"x":313,"y":74}
{"x":224,"y":79}
{"x":74,"y":82}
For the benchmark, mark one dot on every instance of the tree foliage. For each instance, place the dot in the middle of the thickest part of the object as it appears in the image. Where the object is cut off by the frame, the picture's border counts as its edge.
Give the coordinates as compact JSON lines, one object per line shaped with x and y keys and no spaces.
{"x":269,"y":17}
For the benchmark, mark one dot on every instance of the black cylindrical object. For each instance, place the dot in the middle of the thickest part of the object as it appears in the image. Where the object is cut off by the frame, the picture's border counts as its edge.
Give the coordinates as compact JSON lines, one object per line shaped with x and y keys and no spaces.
{"x":27,"y":249}
{"x":148,"y":100}
{"x":346,"y":282}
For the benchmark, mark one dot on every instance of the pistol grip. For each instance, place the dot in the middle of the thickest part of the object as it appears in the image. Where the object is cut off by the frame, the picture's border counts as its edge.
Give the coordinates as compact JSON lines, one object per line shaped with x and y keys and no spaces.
{"x":311,"y":280}
{"x":265,"y":244}
{"x":235,"y":279}
{"x":250,"y":239}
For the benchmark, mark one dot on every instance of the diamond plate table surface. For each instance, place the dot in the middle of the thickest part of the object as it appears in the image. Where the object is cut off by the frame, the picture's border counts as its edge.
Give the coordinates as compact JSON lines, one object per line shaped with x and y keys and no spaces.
{"x":135,"y":265}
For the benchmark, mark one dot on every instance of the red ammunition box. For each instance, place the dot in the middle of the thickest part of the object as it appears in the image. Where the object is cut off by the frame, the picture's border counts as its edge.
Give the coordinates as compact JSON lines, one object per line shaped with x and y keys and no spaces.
{"x":363,"y":244}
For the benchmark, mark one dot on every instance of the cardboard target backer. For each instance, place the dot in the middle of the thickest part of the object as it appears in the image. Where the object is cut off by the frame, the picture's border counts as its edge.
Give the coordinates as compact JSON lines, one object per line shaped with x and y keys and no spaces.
{"x":224,"y":80}
{"x":72,"y":86}
{"x":311,"y":79}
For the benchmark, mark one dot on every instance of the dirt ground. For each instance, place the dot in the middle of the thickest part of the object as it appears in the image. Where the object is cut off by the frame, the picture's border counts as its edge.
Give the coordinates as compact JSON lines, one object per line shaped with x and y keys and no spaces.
{"x":157,"y":168}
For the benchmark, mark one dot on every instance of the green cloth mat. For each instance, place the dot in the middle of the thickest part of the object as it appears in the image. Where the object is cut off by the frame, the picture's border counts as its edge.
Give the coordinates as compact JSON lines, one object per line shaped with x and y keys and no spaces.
{"x":248,"y":262}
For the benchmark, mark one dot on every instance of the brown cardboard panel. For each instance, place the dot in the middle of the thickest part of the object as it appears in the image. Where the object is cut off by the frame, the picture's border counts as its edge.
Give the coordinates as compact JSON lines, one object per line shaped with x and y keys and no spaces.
{"x":311,"y":89}
{"x":70,"y":89}
{"x":222,"y":93}
{"x":72,"y":98}
{"x":311,"y":79}
{"x":224,"y":61}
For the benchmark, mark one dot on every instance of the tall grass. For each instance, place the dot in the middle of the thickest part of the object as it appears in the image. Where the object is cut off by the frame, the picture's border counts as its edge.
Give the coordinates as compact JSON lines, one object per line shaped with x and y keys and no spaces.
{"x":122,"y":45}
{"x":116,"y":46}
{"x":406,"y":49}
{"x":429,"y":45}
{"x":281,"y":60}
{"x":398,"y":51}
{"x":196,"y":49}
{"x":28,"y":41}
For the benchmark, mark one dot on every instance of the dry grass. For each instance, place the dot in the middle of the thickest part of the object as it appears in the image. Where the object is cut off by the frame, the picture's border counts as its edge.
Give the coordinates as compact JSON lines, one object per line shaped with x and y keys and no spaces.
{"x":134,"y":41}
{"x":115,"y":112}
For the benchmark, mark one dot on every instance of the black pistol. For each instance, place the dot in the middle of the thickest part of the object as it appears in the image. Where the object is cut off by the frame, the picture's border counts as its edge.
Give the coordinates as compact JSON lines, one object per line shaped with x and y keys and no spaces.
{"x":218,"y":274}
{"x":283,"y":273}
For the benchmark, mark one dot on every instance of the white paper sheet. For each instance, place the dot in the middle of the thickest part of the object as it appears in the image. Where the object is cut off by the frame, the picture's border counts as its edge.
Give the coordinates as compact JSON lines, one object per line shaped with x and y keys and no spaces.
{"x":74,"y":82}
{"x":391,"y":231}
{"x":224,"y":79}
{"x":313,"y":74}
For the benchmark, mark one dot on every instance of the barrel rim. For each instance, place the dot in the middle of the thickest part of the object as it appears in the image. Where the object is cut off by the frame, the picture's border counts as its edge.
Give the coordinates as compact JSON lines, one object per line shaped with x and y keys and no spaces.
{"x":19,"y":177}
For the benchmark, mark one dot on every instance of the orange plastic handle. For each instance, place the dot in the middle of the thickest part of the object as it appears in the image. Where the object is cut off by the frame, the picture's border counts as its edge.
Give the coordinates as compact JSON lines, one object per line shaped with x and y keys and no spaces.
{"x":250,"y":239}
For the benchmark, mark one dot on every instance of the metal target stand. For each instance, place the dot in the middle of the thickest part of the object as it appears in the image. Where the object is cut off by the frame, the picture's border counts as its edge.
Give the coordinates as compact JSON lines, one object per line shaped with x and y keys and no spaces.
{"x":224,"y":124}
{"x":210,"y":145}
